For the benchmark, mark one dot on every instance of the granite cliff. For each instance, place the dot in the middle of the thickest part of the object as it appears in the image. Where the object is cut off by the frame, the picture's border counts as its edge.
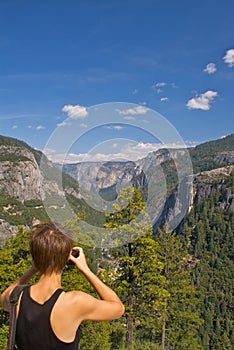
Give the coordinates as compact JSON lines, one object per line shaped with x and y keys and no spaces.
{"x":24,"y":184}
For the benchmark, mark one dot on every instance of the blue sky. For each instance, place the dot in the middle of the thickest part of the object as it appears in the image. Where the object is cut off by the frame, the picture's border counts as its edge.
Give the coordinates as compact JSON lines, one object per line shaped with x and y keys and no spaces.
{"x":60,"y":58}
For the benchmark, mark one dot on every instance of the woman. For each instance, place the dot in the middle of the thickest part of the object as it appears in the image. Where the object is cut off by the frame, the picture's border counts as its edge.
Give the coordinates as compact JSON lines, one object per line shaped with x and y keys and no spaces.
{"x":49,"y":318}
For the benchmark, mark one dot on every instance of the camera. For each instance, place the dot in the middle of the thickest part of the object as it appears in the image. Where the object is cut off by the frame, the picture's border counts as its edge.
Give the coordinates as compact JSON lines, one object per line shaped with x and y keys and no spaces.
{"x":74,"y":253}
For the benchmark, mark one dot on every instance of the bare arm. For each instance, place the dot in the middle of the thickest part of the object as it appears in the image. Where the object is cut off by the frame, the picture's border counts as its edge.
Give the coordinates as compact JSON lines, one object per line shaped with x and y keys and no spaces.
{"x":110,"y":307}
{"x":5,"y":296}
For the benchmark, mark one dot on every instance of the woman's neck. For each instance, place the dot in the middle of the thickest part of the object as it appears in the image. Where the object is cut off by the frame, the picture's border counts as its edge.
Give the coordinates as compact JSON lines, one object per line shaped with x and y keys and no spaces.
{"x":52,"y":280}
{"x":45,"y":287}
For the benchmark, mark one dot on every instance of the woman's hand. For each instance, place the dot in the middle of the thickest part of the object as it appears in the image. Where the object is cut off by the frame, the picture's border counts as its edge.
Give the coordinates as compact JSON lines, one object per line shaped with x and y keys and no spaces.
{"x":80,"y":261}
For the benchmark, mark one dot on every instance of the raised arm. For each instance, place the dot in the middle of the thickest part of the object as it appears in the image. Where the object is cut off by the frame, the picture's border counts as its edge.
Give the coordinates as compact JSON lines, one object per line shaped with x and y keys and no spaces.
{"x":5,"y":296}
{"x":110,"y":307}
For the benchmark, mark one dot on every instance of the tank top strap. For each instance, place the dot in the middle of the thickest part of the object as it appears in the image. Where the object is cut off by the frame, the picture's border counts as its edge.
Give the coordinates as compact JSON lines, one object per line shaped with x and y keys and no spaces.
{"x":49,"y":303}
{"x":52,"y":300}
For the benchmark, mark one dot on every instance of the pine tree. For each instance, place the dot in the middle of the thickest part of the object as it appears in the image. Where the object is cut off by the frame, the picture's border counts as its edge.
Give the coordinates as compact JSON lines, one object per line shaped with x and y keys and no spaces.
{"x":137,"y":274}
{"x":178,"y":317}
{"x":213,"y":246}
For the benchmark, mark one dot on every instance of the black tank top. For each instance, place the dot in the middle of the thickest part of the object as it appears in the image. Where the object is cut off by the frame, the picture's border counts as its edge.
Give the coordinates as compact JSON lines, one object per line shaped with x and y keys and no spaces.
{"x":33,"y":331}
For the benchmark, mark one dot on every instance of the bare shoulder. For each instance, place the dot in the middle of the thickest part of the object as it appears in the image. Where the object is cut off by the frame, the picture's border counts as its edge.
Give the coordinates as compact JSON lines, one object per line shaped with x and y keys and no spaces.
{"x":76,"y":295}
{"x":77,"y":299}
{"x":87,"y":307}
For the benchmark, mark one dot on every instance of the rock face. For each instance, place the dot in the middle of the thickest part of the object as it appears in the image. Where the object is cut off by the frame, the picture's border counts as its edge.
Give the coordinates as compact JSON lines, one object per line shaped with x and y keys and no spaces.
{"x":204,"y":184}
{"x":22,"y":178}
{"x":165,"y":204}
{"x":7,"y":231}
{"x":225,"y":157}
{"x":31,"y":191}
{"x":209,"y":181}
{"x":95,"y":176}
{"x":19,"y":178}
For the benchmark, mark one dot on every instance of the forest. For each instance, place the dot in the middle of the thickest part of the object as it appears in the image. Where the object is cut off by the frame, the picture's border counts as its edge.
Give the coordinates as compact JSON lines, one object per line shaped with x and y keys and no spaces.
{"x":177,"y":287}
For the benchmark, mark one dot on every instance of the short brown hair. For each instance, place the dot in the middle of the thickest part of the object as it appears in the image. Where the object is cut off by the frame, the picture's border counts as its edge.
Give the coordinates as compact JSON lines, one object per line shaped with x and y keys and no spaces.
{"x":49,"y":247}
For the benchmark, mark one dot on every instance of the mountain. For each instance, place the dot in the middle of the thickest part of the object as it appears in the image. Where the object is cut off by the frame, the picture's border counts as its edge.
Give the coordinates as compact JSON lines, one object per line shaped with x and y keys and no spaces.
{"x":96,"y":176}
{"x":28,"y":180}
{"x":158,"y":172}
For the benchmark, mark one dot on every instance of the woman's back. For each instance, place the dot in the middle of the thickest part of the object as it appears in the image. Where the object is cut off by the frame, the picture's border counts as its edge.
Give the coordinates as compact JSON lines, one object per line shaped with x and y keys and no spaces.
{"x":34,"y":328}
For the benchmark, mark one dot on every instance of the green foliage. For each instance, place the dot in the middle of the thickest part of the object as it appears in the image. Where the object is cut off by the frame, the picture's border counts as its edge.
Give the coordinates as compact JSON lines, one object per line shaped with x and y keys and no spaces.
{"x":95,"y":336}
{"x":18,"y":213}
{"x":170,"y":171}
{"x":14,"y":158}
{"x":210,"y":226}
{"x":204,"y":156}
{"x":12,"y":142}
{"x":179,"y":285}
{"x":128,"y":207}
{"x":154,"y":280}
{"x":4,"y":329}
{"x":177,"y":314}
{"x":15,"y":260}
{"x":220,"y":145}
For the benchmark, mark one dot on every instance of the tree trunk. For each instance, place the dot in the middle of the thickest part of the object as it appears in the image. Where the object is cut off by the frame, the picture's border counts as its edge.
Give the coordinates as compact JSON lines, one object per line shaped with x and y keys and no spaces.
{"x":129,"y":323}
{"x":129,"y":332}
{"x":163,"y":332}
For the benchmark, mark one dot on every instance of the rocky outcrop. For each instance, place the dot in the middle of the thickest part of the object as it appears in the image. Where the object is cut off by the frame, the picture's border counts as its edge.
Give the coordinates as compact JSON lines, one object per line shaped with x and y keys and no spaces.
{"x":20,"y":179}
{"x":225,"y":157}
{"x":96,"y":176}
{"x":7,"y":231}
{"x":21,"y":176}
{"x":204,"y":184}
{"x":208,"y":182}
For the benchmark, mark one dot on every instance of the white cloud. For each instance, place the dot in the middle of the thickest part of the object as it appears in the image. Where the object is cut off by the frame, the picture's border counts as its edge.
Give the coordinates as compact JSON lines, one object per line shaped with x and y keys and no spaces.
{"x":83,"y":125}
{"x":164,"y":99}
{"x":210,"y":68}
{"x":129,"y":117}
{"x":158,"y":87}
{"x":64,"y":123}
{"x":161,"y":84}
{"x":202,"y":101}
{"x":29,"y":126}
{"x":14,"y":127}
{"x":115,"y":127}
{"x":133,"y":111}
{"x":229,"y":58}
{"x":75,"y":111}
{"x":49,"y":151}
{"x":40,"y":127}
{"x":129,"y":152}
